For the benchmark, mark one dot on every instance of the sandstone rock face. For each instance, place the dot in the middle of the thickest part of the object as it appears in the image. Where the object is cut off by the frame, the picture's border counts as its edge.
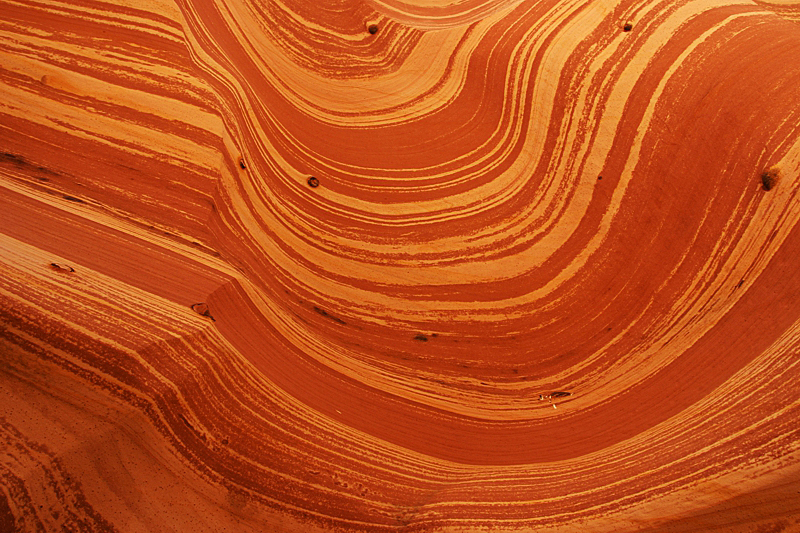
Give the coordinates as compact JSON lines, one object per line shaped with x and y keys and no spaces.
{"x":295,"y":266}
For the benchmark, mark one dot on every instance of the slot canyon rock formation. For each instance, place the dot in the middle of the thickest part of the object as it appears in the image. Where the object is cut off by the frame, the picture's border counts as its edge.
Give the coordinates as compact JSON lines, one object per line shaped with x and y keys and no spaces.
{"x":295,"y":266}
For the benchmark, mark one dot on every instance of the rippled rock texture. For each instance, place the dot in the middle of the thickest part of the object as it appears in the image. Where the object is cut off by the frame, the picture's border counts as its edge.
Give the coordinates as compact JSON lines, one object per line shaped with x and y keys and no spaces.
{"x":295,"y":266}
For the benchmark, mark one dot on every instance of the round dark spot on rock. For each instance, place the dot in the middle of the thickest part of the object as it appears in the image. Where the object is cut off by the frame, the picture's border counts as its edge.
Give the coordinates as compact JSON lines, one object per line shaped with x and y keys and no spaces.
{"x":769,"y":179}
{"x":313,"y":182}
{"x":241,"y":164}
{"x":373,"y":29}
{"x":627,"y":27}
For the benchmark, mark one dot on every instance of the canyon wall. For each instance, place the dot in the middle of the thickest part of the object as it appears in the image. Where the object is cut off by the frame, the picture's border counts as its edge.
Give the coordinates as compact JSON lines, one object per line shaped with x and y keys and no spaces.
{"x":288,"y":266}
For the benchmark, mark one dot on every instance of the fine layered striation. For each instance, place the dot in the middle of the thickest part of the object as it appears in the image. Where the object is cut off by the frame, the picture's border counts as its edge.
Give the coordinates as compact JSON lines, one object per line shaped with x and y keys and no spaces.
{"x":290,"y":266}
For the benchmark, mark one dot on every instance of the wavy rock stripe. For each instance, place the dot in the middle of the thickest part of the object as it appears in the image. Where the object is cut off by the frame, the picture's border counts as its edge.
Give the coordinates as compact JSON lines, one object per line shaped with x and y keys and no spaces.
{"x":299,"y":267}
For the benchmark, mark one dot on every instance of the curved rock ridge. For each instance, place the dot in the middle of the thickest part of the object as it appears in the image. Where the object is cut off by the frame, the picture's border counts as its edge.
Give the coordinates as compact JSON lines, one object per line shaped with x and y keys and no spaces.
{"x":414,"y":266}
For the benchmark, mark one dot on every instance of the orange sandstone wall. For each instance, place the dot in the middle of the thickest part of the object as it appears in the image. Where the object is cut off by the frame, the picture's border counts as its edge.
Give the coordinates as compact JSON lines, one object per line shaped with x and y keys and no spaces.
{"x":288,"y":266}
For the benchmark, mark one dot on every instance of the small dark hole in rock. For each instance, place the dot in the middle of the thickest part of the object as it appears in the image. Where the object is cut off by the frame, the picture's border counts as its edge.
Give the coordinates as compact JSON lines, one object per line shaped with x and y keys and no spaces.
{"x":373,"y":29}
{"x":241,"y":164}
{"x":313,"y":182}
{"x":627,"y":27}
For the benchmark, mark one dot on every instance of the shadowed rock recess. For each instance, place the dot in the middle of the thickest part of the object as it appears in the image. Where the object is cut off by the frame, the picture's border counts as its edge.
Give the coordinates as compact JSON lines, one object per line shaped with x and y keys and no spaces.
{"x":400,"y":266}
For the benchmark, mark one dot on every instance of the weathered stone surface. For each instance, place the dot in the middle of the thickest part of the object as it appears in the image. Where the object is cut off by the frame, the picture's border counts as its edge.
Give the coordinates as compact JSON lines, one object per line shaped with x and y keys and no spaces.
{"x":289,"y":266}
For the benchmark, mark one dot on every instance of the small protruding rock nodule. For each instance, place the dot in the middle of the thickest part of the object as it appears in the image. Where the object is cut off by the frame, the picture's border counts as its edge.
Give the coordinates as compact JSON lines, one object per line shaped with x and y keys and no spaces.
{"x":202,"y":309}
{"x":62,"y":268}
{"x":769,"y":178}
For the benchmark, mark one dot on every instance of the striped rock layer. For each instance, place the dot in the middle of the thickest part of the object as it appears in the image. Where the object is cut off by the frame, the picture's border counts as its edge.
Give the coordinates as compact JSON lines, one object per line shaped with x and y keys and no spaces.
{"x":509,"y":198}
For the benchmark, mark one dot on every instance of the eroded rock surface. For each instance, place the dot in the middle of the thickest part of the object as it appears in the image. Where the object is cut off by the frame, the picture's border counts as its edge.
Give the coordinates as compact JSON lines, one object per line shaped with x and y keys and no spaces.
{"x":293,"y":266}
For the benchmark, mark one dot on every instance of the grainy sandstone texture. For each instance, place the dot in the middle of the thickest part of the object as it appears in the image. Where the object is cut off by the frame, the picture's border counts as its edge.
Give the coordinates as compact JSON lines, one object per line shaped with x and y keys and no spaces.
{"x":296,"y":266}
